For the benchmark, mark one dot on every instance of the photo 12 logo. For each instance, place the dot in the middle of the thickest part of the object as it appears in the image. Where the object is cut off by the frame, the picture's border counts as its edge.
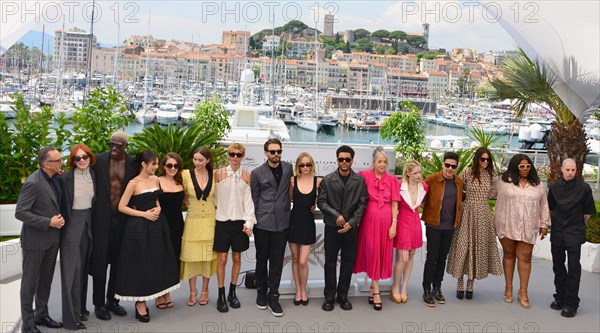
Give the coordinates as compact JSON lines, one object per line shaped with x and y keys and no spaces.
{"x":454,"y":11}
{"x":67,"y":11}
{"x":254,"y":12}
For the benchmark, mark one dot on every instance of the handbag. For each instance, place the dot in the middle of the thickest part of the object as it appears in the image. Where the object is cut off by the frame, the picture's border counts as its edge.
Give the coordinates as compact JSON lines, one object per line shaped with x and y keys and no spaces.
{"x":250,"y":280}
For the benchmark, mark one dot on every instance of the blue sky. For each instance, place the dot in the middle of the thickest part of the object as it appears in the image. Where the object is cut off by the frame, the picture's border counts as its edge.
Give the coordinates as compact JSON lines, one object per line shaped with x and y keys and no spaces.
{"x":452,"y":23}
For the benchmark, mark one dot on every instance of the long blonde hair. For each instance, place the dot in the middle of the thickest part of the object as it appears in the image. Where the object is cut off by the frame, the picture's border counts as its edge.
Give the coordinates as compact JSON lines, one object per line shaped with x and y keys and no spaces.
{"x":299,"y":160}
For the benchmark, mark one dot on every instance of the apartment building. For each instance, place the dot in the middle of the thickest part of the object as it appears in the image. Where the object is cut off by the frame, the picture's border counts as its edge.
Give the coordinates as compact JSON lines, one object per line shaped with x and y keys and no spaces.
{"x":73,"y":49}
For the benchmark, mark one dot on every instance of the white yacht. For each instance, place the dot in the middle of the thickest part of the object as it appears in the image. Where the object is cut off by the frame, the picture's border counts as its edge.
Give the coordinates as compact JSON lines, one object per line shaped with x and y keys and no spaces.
{"x":167,"y":114}
{"x":146,"y":116}
{"x":309,"y":124}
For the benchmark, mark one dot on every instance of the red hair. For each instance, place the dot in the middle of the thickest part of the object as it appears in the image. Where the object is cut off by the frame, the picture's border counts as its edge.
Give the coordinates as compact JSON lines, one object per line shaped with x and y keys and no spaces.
{"x":86,"y":149}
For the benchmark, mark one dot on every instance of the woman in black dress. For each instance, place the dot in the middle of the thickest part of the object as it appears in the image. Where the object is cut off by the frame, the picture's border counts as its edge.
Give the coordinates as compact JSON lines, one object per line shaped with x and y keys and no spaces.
{"x":303,"y":192}
{"x":171,"y":200}
{"x":147,"y":266}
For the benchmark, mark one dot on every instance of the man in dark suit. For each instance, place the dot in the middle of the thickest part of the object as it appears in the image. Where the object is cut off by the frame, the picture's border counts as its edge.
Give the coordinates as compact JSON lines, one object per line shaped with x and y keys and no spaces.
{"x":571,"y":205}
{"x":113,"y":170}
{"x":38,"y":207}
{"x":270,"y":186}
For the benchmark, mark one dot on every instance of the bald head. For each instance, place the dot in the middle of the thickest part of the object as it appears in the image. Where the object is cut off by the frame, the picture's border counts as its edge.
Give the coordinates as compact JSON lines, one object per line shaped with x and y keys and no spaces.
{"x":568,"y":169}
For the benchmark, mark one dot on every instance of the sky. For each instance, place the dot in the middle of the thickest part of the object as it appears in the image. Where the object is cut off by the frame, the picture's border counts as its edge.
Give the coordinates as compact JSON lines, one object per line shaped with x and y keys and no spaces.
{"x":463,"y":24}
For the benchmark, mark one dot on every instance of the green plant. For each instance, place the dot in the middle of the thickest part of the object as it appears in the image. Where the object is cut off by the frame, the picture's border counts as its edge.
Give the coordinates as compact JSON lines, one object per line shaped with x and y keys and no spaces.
{"x":405,"y":129}
{"x":209,"y":127}
{"x":21,"y":145}
{"x":592,"y":228}
{"x":105,"y":112}
{"x":433,"y":165}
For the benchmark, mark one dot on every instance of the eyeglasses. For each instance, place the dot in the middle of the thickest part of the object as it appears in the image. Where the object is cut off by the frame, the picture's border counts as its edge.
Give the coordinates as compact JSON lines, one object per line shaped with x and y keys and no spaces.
{"x":79,"y":158}
{"x":172,"y":165}
{"x":453,"y":166}
{"x":483,"y":159}
{"x":344,"y":159}
{"x":55,"y":161}
{"x":273,"y":152}
{"x":307,"y":165}
{"x":524,"y":166}
{"x":240,"y":155}
{"x":116,"y":145}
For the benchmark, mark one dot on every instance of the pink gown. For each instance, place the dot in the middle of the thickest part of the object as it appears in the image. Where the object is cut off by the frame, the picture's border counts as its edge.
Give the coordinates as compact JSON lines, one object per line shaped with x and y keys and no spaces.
{"x":409,"y":232}
{"x":374,"y":253}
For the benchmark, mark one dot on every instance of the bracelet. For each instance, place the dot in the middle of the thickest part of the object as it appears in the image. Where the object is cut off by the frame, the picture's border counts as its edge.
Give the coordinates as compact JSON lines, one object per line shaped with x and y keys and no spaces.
{"x":394,"y":220}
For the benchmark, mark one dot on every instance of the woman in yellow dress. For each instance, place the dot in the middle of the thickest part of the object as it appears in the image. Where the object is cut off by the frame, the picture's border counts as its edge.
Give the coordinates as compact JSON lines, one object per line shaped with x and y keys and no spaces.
{"x":197,"y":255}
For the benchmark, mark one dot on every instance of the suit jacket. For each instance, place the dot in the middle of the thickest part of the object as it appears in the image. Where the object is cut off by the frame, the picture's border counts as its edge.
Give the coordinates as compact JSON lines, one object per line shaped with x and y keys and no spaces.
{"x":36,"y":205}
{"x":271,"y":202}
{"x":348,"y":200}
{"x":68,"y":180}
{"x":102,"y":211}
{"x":433,"y":201}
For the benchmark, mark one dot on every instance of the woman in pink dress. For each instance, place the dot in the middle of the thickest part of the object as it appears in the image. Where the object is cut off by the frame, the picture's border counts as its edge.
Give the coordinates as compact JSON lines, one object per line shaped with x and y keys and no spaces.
{"x":374,"y":253}
{"x":409,"y":234}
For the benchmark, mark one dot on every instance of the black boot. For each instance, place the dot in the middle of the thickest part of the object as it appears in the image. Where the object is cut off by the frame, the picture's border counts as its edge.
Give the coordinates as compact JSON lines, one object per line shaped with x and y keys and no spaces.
{"x":222,"y":301}
{"x":232,"y":297}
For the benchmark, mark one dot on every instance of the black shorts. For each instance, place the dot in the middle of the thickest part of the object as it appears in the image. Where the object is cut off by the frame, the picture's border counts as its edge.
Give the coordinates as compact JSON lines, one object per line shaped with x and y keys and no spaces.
{"x":229,"y":234}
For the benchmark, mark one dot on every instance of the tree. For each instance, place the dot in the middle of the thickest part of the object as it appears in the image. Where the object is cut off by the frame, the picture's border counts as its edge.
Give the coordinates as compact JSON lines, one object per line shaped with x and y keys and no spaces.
{"x":405,"y":129}
{"x":347,"y":47}
{"x":294,"y":26}
{"x":380,"y":49}
{"x":397,"y":35}
{"x":364,"y":44}
{"x":337,"y":38}
{"x":106,"y":111}
{"x":251,"y":43}
{"x":361,"y":33}
{"x":380,"y":33}
{"x":528,"y":83}
{"x":416,"y":41}
{"x":463,"y":83}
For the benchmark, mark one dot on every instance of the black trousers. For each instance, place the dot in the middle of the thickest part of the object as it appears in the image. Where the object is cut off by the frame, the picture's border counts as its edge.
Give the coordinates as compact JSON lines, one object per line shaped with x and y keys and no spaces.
{"x":100,"y":290}
{"x":438,"y":246}
{"x":334,"y":243}
{"x":270,"y":246}
{"x":566,"y":282}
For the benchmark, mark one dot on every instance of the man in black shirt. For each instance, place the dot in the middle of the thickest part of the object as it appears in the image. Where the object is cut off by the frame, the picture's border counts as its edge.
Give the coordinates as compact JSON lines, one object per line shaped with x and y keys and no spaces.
{"x":571,"y":205}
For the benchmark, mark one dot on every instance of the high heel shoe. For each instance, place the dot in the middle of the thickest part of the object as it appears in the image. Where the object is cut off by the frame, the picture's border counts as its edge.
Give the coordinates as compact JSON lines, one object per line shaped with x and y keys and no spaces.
{"x":395,"y":298}
{"x":192,"y":295}
{"x":508,"y":294}
{"x":144,"y":318}
{"x":524,"y":299}
{"x":403,"y":298}
{"x":371,"y":296}
{"x":377,"y":305}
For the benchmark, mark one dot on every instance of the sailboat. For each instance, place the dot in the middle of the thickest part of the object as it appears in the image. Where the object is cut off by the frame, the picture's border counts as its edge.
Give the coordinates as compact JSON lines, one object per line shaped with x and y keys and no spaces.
{"x":146,"y":115}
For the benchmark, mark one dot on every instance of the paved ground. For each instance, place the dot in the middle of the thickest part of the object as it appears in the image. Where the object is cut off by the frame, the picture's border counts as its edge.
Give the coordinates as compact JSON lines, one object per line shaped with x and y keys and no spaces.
{"x":487,"y":312}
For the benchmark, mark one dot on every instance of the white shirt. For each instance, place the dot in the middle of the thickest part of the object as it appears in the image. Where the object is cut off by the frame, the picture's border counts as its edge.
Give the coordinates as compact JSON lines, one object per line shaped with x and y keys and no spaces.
{"x":233,"y":199}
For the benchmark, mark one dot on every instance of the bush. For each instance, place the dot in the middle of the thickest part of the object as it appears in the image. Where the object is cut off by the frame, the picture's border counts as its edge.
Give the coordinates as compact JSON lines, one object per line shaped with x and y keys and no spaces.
{"x":592,"y":229}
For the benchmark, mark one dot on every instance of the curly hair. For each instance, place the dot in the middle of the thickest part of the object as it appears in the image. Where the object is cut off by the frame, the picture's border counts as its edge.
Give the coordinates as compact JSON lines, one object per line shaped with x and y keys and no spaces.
{"x":512,"y":171}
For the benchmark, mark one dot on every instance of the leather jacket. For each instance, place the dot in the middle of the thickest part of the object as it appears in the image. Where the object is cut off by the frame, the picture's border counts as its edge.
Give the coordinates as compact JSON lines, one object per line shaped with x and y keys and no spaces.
{"x":336,"y":198}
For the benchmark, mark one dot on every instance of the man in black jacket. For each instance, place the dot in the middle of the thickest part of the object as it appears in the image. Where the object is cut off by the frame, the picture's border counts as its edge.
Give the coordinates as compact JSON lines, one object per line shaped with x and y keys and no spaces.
{"x":571,"y":205}
{"x":342,"y":199}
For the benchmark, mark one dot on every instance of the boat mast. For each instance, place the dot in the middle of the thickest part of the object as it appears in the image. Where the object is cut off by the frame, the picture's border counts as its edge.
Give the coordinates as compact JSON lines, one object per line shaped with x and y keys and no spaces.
{"x":89,"y":55}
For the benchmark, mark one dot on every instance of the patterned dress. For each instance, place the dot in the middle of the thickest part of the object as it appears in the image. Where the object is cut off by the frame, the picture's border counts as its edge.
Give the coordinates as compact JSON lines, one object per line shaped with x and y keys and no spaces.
{"x":474,"y":250}
{"x":197,"y":255}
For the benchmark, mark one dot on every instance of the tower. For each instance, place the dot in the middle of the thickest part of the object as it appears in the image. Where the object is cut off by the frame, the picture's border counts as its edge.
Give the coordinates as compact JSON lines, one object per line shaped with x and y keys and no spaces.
{"x":328,"y":28}
{"x":425,"y":27}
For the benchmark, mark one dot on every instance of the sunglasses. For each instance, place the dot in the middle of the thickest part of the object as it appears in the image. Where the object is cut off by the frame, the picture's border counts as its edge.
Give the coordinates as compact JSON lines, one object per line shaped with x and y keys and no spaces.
{"x":453,"y":166}
{"x":240,"y":155}
{"x":172,"y":165}
{"x":307,"y":165}
{"x":344,"y":159}
{"x":524,"y":166}
{"x":273,"y":152}
{"x":483,"y":159}
{"x":79,"y":158}
{"x":55,"y":161}
{"x":115,"y":145}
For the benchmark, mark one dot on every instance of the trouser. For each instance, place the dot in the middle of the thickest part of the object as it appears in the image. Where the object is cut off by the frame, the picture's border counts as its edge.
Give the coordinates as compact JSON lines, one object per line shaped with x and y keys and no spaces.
{"x":566,"y":282}
{"x":334,"y":243}
{"x":438,"y":246}
{"x":38,"y":272}
{"x":270,"y":246}
{"x":100,"y":289}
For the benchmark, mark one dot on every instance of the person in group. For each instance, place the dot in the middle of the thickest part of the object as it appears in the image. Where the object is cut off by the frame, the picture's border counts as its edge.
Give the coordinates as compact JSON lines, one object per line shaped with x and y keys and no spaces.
{"x":270,"y":185}
{"x":441,"y":212}
{"x":197,"y":255}
{"x":342,"y":198}
{"x":235,"y":221}
{"x":474,"y":252}
{"x":571,"y":205}
{"x":409,"y":232}
{"x":171,"y":201}
{"x":38,"y":207}
{"x":375,"y":247}
{"x":114,"y":169}
{"x":303,"y":192}
{"x":76,"y":236}
{"x":521,"y":212}
{"x":147,"y":266}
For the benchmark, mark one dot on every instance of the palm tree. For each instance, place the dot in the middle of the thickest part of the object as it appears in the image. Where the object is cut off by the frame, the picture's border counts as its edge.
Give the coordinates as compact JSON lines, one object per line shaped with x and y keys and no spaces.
{"x":529,"y":83}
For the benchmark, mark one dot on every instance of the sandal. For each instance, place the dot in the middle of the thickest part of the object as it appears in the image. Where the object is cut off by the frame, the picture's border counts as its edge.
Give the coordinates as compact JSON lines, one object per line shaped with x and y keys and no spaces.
{"x":377,"y":305}
{"x":159,"y":304}
{"x":371,"y":296}
{"x":203,"y":301}
{"x":192,"y":295}
{"x":169,"y":305}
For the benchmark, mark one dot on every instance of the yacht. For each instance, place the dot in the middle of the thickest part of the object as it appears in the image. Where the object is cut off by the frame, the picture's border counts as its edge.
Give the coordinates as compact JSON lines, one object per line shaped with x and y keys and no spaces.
{"x":167,"y":114}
